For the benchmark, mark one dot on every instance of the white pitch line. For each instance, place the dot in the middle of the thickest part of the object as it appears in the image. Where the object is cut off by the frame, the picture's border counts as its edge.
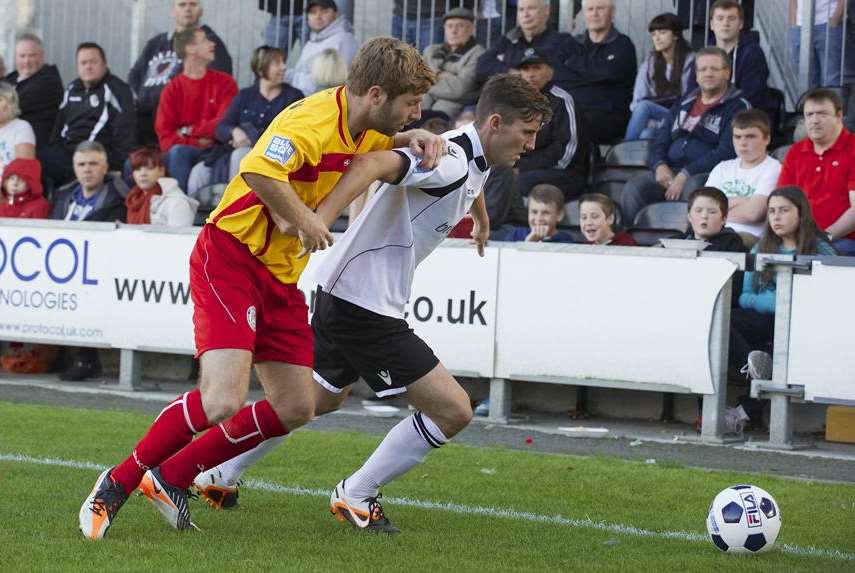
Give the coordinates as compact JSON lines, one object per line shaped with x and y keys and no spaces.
{"x":461,"y":509}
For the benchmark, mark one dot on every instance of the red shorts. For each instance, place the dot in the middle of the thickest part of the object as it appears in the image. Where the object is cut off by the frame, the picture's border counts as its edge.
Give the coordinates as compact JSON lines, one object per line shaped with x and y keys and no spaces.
{"x":238,"y":303}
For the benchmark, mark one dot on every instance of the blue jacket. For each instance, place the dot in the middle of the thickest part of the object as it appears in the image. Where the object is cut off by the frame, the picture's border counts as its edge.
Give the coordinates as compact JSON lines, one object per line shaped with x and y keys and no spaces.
{"x":251,"y":112}
{"x":750,"y":73}
{"x":599,"y":76}
{"x":710,"y":143}
{"x":508,"y":52}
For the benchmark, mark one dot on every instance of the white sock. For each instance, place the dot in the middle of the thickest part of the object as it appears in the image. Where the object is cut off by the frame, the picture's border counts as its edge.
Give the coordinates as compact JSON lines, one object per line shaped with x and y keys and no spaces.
{"x":405,"y":446}
{"x":234,"y":468}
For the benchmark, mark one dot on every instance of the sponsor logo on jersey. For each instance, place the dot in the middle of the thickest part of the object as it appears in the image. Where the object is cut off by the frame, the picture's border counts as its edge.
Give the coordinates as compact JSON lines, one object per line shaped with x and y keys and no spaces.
{"x":250,"y":317}
{"x":93,"y":100}
{"x":279,"y":149}
{"x":445,"y":228}
{"x":385,"y":377}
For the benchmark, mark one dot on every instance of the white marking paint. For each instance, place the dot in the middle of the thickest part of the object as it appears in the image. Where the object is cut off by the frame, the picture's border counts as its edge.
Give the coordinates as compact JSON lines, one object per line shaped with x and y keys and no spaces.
{"x":461,"y":509}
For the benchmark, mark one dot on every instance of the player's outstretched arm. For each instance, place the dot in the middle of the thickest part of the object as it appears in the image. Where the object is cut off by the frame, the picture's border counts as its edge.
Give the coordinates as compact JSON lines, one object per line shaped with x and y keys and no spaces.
{"x":481,"y":229}
{"x":363,"y":171}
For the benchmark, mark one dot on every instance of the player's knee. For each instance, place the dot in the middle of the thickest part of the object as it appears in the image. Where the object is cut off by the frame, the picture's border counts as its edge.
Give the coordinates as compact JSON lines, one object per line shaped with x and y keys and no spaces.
{"x":456,"y":418}
{"x":219,"y":408}
{"x":295,"y":414}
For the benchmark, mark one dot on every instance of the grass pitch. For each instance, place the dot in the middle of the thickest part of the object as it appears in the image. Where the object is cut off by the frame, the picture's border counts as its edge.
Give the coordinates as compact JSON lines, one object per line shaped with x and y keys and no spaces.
{"x":466,"y":509}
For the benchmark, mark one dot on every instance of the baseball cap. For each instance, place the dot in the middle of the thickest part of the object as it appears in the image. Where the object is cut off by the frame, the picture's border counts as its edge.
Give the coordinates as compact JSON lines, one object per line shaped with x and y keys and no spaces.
{"x":322,"y":4}
{"x":533,"y":56}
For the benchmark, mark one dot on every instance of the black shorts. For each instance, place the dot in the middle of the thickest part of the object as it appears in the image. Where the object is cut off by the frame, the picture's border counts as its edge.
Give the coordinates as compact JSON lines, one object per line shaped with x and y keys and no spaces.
{"x":351,"y":341}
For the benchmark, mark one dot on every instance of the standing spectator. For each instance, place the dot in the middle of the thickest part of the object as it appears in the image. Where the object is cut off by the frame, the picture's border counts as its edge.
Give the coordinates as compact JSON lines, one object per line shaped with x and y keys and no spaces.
{"x":747,"y":180}
{"x":21,"y":193}
{"x":91,"y":197}
{"x":16,"y":136}
{"x":97,"y":106}
{"x":560,"y":154}
{"x":194,"y":102}
{"x":455,"y":62}
{"x":156,"y":199}
{"x":749,"y":71}
{"x":327,"y":30}
{"x":599,"y":72}
{"x":158,"y":63}
{"x":248,"y":115}
{"x":532,"y":31}
{"x":823,"y":166}
{"x":827,"y":40}
{"x":699,"y":137}
{"x":286,"y":22}
{"x":666,"y":75}
{"x":694,"y":14}
{"x":545,"y":211}
{"x":38,"y":85}
{"x":597,"y":221}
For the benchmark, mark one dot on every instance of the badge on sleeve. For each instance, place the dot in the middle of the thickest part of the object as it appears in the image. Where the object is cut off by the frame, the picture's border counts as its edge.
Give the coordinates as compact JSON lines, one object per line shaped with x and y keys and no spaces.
{"x":279,"y":149}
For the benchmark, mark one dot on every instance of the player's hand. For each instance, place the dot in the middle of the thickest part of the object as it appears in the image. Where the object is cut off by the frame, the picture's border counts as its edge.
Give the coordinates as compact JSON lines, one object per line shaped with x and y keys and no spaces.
{"x":479,"y":237}
{"x":283,"y":225}
{"x":313,"y":234}
{"x":429,"y":146}
{"x":675,"y":189}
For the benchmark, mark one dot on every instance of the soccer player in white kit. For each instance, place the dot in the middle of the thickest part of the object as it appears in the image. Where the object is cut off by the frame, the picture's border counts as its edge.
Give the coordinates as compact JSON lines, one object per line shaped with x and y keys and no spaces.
{"x":366,"y":280}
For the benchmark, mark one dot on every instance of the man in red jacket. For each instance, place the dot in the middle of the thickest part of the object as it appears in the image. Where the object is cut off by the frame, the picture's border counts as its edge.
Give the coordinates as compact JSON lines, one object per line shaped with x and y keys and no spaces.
{"x":191,"y":105}
{"x":21,"y":191}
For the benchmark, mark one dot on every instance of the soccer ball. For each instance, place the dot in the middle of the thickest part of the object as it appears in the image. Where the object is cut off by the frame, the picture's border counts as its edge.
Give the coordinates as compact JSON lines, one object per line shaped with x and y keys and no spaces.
{"x":744,"y":519}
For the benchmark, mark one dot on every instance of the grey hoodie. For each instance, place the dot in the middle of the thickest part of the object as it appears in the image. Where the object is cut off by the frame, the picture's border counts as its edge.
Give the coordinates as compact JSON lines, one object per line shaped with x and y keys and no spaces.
{"x":337,"y":36}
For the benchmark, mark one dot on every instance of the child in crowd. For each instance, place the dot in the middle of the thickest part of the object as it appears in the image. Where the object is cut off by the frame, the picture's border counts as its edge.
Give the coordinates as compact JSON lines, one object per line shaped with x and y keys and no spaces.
{"x":545,"y":211}
{"x":155,"y":198}
{"x":747,"y":180}
{"x":790,"y":229}
{"x":597,"y":219}
{"x":21,"y":193}
{"x":708,"y":215}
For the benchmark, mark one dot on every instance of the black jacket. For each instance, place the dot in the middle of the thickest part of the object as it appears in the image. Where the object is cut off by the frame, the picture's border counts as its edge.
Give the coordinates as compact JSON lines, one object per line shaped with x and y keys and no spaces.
{"x":110,"y":205}
{"x":158,"y":63}
{"x":558,"y":144}
{"x":509,"y":50}
{"x":599,"y":76}
{"x":104,"y":112}
{"x":39,"y":96}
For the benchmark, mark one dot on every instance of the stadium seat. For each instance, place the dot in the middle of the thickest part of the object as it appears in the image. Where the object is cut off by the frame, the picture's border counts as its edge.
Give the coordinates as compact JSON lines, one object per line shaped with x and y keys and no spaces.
{"x":632,"y":153}
{"x":781,"y":152}
{"x":696,"y":181}
{"x":777,"y":105}
{"x":650,"y":237}
{"x":664,"y":215}
{"x":621,"y":174}
{"x":613,"y":189}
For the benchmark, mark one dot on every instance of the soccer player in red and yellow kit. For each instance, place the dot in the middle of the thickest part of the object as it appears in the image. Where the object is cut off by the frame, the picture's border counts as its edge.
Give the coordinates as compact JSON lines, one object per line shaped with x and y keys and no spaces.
{"x":243,"y":275}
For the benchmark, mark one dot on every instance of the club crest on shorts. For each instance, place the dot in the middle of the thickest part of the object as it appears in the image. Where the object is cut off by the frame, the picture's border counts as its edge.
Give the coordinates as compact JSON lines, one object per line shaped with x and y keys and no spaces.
{"x":279,"y":149}
{"x":385,"y":377}
{"x":250,"y":317}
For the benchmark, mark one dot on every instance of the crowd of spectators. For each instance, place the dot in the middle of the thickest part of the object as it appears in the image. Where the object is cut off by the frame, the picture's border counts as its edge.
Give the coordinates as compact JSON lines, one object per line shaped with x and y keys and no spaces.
{"x":142,"y":151}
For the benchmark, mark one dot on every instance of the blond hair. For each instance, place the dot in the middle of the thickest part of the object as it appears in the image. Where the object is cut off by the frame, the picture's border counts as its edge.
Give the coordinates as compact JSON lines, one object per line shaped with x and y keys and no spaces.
{"x":395,"y":66}
{"x":328,"y":69}
{"x":8,"y":93}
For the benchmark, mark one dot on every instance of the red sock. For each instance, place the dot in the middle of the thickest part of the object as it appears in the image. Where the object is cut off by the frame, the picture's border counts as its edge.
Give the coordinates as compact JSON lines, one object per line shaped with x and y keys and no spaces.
{"x":240,"y":433}
{"x":173,"y":429}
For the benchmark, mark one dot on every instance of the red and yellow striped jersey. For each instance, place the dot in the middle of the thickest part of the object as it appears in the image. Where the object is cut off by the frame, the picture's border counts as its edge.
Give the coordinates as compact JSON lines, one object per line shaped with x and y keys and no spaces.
{"x":308,"y":145}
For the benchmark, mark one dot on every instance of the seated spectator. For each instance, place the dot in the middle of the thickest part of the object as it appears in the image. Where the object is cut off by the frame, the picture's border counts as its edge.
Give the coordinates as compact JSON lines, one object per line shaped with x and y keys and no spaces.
{"x":790,"y":229}
{"x":249,"y":114}
{"x":597,"y":220}
{"x":823,"y":166}
{"x":699,"y":138}
{"x":328,"y":70}
{"x":286,"y":22}
{"x":749,"y":70}
{"x":599,"y":71}
{"x":666,"y":74}
{"x":38,"y":85}
{"x":421,"y":20}
{"x":158,"y":63}
{"x":156,"y":199}
{"x":97,"y":106}
{"x":545,"y":211}
{"x":708,"y":215}
{"x":16,"y":136}
{"x":560,"y":154}
{"x":92,"y":196}
{"x":21,"y":191}
{"x":454,"y":61}
{"x":327,"y":30}
{"x":827,"y":40}
{"x":532,"y":31}
{"x":748,"y":179}
{"x":194,"y":103}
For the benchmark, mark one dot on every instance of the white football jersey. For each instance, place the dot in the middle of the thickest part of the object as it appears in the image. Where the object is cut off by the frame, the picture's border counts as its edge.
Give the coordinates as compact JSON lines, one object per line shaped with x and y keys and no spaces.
{"x":373,"y":263}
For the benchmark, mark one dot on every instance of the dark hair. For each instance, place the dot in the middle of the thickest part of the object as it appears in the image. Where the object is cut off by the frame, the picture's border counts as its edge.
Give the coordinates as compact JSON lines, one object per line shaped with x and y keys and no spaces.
{"x":664,"y":86}
{"x":713,"y":193}
{"x":713,"y":51}
{"x":727,"y":5}
{"x":824,"y":94}
{"x":753,"y":117}
{"x":184,"y":38}
{"x":263,"y":57}
{"x":548,"y":194}
{"x":91,"y":46}
{"x":147,"y":156}
{"x":806,"y":235}
{"x":512,"y":98}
